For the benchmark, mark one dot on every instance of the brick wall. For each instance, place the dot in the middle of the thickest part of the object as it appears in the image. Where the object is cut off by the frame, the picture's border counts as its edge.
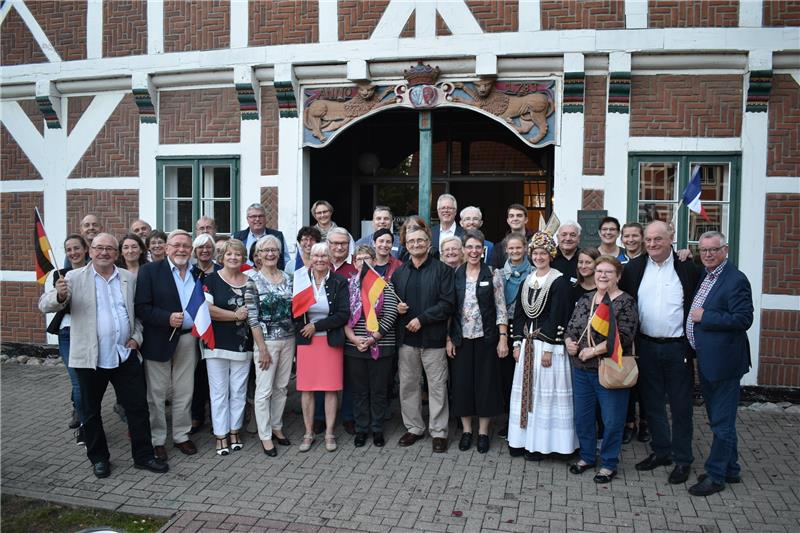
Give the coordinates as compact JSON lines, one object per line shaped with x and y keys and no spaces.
{"x":410,"y":29}
{"x":17,"y":45}
{"x":494,"y":16}
{"x":269,"y":199}
{"x":20,"y":319}
{"x":594,"y":132}
{"x":201,"y":116}
{"x":781,"y":13}
{"x":600,"y":15}
{"x":782,"y":245}
{"x":16,"y":228}
{"x":116,"y":209}
{"x":783,"y":157}
{"x":124,"y":28}
{"x":269,"y":131}
{"x":779,"y":354}
{"x":592,"y":199}
{"x":14,"y":164}
{"x":697,"y":13}
{"x":64,"y":23}
{"x":285,"y":22}
{"x":442,"y":29}
{"x":358,"y":18}
{"x":686,"y":106}
{"x":115,"y":150}
{"x":196,"y":25}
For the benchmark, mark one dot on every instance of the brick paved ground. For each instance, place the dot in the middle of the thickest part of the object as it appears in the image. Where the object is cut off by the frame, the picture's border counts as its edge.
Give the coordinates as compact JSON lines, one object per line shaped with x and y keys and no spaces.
{"x":397,"y":489}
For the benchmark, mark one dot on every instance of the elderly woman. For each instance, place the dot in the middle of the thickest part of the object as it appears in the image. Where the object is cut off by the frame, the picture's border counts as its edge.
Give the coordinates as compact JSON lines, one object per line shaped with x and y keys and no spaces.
{"x":540,"y":418}
{"x":228,"y":363}
{"x":157,"y":245}
{"x":132,"y":253}
{"x":476,"y":342}
{"x":451,"y":251}
{"x":319,"y":333}
{"x":384,"y":264}
{"x":203,"y":251}
{"x":369,"y":354}
{"x":586,"y":347}
{"x":269,"y":315}
{"x":307,"y":237}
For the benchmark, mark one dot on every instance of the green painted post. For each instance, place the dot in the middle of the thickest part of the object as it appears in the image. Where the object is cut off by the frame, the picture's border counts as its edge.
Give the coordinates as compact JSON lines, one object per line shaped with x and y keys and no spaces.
{"x":425,"y":164}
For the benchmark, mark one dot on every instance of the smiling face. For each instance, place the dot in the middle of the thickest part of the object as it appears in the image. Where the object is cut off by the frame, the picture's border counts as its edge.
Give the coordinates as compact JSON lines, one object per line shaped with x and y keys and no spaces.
{"x":517,"y":220}
{"x":141,"y":228}
{"x":452,"y":253}
{"x":712,"y":252}
{"x":471,"y":219}
{"x":632,"y":240}
{"x":306,"y":242}
{"x":90,"y":227}
{"x":418,"y":243}
{"x":606,"y":277}
{"x":541,"y":258}
{"x":446,"y":209}
{"x":585,"y":266}
{"x":232,"y":259}
{"x":609,"y":233}
{"x":381,"y":219}
{"x":383,"y":246}
{"x":340,"y":247}
{"x":103,"y":252}
{"x":179,"y":249}
{"x":322,"y":214}
{"x":76,"y":253}
{"x":158,"y":249}
{"x":515,"y":250}
{"x":131,"y":251}
{"x":205,"y":225}
{"x":474,"y":250}
{"x":362,"y":258}
{"x":658,"y":241}
{"x":204,"y":252}
{"x":568,"y":239}
{"x":256,"y":220}
{"x":320,"y":263}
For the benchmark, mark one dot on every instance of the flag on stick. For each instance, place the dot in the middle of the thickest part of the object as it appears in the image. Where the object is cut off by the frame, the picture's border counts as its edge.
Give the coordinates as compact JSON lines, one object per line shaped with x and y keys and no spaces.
{"x":303,"y":296}
{"x":198,"y":310}
{"x":372,"y":285}
{"x":43,"y":250}
{"x":604,"y":323}
{"x":691,"y":195}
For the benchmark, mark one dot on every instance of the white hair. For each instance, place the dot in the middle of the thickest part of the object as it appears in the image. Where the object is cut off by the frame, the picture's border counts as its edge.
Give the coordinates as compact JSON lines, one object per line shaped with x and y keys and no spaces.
{"x":567,"y":224}
{"x":447,"y":196}
{"x":470,"y":208}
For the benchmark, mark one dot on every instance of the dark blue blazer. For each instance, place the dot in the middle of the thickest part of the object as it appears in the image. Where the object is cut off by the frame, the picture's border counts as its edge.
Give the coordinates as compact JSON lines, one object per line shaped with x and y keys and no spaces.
{"x":435,"y":229}
{"x":156,"y":298}
{"x":723,"y":351}
{"x":242,"y":236}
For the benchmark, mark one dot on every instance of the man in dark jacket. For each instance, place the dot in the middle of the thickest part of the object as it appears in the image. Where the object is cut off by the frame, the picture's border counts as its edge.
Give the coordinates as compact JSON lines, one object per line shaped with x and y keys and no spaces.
{"x":257,"y":228}
{"x":425,"y":287}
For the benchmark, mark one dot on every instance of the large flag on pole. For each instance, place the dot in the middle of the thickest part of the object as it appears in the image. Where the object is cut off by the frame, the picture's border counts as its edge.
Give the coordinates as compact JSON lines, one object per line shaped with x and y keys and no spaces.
{"x":43,"y":250}
{"x":198,"y":310}
{"x":604,"y":323}
{"x":303,"y":296}
{"x":372,"y":285}
{"x":691,"y":195}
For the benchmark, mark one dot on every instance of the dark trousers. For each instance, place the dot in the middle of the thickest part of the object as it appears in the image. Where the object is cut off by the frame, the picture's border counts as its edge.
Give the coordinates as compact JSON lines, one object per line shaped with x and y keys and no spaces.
{"x":666,"y":374}
{"x":634,"y":398}
{"x":722,"y":400}
{"x":200,"y":396}
{"x":475,"y":377}
{"x":507,"y":367}
{"x":129,"y":386}
{"x":370,"y":380}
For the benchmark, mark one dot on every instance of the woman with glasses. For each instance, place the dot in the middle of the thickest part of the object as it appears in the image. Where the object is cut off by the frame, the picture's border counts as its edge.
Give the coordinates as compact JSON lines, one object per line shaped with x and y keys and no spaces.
{"x":157,"y":245}
{"x":609,"y":234}
{"x":307,"y":237}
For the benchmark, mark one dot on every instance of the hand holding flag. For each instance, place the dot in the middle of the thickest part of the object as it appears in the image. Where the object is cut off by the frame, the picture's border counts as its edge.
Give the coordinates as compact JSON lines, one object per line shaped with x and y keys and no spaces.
{"x":198,"y":310}
{"x":44,"y":251}
{"x":372,"y":285}
{"x":604,"y":323}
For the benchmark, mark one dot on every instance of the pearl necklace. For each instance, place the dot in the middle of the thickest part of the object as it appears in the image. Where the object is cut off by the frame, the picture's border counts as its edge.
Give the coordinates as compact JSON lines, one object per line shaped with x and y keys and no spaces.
{"x":534,"y":309}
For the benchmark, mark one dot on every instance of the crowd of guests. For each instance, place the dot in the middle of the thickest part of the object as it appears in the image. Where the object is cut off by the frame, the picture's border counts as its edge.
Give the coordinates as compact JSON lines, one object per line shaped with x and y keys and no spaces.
{"x":493,"y":334}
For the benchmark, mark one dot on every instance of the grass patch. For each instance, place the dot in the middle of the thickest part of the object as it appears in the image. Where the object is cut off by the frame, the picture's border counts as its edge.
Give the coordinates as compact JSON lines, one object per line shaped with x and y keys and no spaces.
{"x":24,"y":515}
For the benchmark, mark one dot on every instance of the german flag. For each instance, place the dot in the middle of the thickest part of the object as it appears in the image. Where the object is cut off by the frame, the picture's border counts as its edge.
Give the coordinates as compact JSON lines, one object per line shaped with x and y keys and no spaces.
{"x":43,"y":250}
{"x":372,"y":285}
{"x":604,"y":323}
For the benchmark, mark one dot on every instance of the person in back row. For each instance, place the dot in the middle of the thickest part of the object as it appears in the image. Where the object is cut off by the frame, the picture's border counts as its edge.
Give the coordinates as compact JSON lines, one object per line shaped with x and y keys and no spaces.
{"x":257,"y":228}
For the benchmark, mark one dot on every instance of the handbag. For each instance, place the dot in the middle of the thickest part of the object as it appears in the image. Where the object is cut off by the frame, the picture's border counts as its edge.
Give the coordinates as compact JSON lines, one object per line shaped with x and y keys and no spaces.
{"x":609,"y":373}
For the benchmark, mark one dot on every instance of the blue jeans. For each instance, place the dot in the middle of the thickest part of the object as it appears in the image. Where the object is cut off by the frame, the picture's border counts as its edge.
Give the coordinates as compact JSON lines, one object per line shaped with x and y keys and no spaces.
{"x":666,"y":371}
{"x":63,"y":351}
{"x":586,"y":394}
{"x":722,"y":400}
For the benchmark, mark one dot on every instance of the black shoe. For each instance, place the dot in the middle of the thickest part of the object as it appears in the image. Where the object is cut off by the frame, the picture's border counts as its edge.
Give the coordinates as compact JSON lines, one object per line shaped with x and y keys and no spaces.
{"x":283,"y":441}
{"x":466,"y":441}
{"x":101,"y":469}
{"x":80,"y":436}
{"x":627,"y":434}
{"x":360,"y":440}
{"x":705,"y":488}
{"x":378,"y":440}
{"x":644,"y":433}
{"x":483,"y":443}
{"x":75,"y":422}
{"x":653,"y":461}
{"x":728,"y":479}
{"x":578,"y":468}
{"x":532,"y":456}
{"x":270,"y":453}
{"x":679,"y":474}
{"x":153,"y":465}
{"x":604,"y":478}
{"x":516,"y":452}
{"x":503,"y":432}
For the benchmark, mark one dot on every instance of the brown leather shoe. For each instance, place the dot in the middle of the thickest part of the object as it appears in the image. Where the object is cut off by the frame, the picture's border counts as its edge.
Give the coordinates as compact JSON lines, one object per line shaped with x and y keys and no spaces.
{"x":186,"y":447}
{"x":160,"y":453}
{"x":439,"y":444}
{"x":409,"y":438}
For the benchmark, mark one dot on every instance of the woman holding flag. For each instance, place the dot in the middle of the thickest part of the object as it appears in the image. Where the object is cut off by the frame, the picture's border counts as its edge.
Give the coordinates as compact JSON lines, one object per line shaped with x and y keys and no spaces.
{"x":603,"y":324}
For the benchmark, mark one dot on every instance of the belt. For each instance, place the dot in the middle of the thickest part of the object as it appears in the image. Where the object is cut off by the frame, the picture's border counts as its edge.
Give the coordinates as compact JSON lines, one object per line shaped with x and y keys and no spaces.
{"x":662,"y":340}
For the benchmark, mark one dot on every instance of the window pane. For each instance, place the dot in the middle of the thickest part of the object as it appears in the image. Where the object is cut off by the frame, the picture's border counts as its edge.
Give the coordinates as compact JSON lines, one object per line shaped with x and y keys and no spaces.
{"x":177,"y":182}
{"x":178,"y":214}
{"x":719,"y":220}
{"x":216,"y":182}
{"x":658,"y":181}
{"x":715,"y":182}
{"x":650,"y":211}
{"x":220,"y":211}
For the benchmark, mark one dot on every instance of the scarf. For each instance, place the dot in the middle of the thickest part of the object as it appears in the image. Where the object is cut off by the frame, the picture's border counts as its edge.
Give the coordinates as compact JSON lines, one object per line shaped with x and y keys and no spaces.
{"x":514,"y":276}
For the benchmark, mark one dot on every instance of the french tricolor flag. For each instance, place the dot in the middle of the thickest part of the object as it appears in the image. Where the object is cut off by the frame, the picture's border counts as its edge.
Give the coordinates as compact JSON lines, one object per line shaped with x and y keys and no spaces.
{"x":303,"y":296}
{"x":691,"y":196}
{"x":198,"y":310}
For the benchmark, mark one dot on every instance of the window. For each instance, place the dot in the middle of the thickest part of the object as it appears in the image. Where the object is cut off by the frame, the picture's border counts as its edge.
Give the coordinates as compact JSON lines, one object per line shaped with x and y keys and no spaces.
{"x":656,"y":183}
{"x":191,"y":188}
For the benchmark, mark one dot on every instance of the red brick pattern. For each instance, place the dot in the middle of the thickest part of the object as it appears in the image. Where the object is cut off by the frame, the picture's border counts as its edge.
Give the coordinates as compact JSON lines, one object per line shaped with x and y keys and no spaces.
{"x":781,"y":13}
{"x":410,"y":29}
{"x":269,"y":132}
{"x":782,"y":244}
{"x":202,"y":116}
{"x":20,"y":318}
{"x":594,"y":125}
{"x":442,"y":29}
{"x":116,"y":209}
{"x":591,"y":14}
{"x":686,"y":106}
{"x":592,"y":199}
{"x":124,"y":28}
{"x":64,"y":23}
{"x":16,"y":227}
{"x":783,"y":157}
{"x":495,"y":16}
{"x":358,"y":18}
{"x":269,"y":199}
{"x":76,"y":106}
{"x":17,"y":45}
{"x":287,"y":22}
{"x":694,"y":14}
{"x":14,"y":164}
{"x":779,"y":353}
{"x":196,"y":25}
{"x":115,"y":150}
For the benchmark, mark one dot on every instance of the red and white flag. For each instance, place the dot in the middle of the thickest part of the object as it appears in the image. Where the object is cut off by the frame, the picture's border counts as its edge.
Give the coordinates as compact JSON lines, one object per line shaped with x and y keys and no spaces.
{"x":303,"y":296}
{"x":201,"y":316}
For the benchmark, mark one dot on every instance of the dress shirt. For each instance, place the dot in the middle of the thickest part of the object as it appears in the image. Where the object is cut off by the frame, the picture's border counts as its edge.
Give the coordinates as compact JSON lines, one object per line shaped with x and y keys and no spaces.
{"x":185,"y":287}
{"x":113,"y":323}
{"x":447,"y":232}
{"x":700,"y":298}
{"x":660,"y":300}
{"x":251,"y":240}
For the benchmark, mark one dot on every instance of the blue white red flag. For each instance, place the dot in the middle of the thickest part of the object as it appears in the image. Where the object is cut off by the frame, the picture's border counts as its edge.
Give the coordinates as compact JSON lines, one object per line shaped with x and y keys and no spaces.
{"x":198,"y":310}
{"x":691,"y":195}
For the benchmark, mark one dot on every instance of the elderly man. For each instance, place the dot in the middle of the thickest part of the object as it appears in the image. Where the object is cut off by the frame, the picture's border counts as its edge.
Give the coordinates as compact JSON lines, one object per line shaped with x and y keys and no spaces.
{"x":381,"y":218}
{"x":566,"y":260}
{"x":720,"y":315}
{"x":207,"y":225}
{"x":89,"y":228}
{"x":141,"y":228}
{"x":446,"y":208}
{"x":663,"y":286}
{"x":169,"y":349}
{"x":517,"y":220}
{"x":472,"y":219}
{"x":105,"y":337}
{"x":257,"y":228}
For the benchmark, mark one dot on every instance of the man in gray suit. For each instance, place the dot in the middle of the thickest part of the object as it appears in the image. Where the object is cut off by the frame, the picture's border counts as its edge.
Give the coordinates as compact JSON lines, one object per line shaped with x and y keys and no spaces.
{"x":105,"y":337}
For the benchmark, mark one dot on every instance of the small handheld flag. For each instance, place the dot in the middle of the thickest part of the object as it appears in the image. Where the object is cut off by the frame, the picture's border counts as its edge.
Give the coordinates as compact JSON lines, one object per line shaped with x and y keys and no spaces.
{"x":43,"y":250}
{"x":302,"y":292}
{"x":372,"y":285}
{"x":691,"y":195}
{"x":198,"y":310}
{"x":604,"y":323}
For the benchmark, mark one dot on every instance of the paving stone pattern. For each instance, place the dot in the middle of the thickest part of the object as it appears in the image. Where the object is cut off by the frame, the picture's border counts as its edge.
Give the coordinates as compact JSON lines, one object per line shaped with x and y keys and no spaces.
{"x":389,"y":489}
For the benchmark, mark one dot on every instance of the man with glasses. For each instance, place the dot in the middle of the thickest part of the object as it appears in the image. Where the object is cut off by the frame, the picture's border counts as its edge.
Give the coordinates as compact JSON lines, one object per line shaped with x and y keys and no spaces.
{"x":472,"y":219}
{"x":381,"y":219}
{"x":425,"y":288}
{"x":163,"y":291}
{"x":720,"y":315}
{"x":206,"y":225}
{"x":446,"y":206}
{"x":257,"y":228}
{"x":105,"y":337}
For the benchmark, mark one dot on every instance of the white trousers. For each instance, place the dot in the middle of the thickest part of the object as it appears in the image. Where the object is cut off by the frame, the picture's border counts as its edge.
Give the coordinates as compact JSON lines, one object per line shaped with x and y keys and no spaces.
{"x":272,"y":385}
{"x":227,"y":388}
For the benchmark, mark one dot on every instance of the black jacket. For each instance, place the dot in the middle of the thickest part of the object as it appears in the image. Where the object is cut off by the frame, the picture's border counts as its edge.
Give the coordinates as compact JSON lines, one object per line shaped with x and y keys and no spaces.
{"x":484,"y":289}
{"x":688,"y":274}
{"x":553,"y":319}
{"x":242,"y":236}
{"x":338,"y":314}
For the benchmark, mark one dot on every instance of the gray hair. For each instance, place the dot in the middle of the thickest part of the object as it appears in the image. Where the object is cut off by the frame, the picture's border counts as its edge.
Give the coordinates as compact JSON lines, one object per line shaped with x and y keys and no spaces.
{"x":321,"y":248}
{"x":114,"y":239}
{"x":202,"y":240}
{"x":567,"y":224}
{"x":449,"y":238}
{"x":269,"y":238}
{"x":470,"y":208}
{"x":337,"y":231}
{"x":258,"y":207}
{"x":178,"y":233}
{"x":711,"y":234}
{"x":447,"y":196}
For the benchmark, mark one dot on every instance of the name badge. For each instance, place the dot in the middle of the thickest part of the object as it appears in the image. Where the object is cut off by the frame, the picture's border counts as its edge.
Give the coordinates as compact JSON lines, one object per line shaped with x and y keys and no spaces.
{"x":484,"y":284}
{"x":572,"y":281}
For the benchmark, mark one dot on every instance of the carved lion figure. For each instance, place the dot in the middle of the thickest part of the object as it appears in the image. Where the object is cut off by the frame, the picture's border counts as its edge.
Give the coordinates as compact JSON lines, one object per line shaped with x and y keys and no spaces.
{"x":329,"y":115}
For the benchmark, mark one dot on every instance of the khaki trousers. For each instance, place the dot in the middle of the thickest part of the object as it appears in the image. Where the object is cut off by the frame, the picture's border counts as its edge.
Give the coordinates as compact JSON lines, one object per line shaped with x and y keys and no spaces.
{"x":272,"y":385}
{"x":410,"y":364}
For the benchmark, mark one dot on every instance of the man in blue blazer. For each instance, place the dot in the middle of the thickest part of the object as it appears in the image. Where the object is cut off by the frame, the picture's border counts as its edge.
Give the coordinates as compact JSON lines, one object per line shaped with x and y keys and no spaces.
{"x":446,"y":206}
{"x":721,"y":314}
{"x":257,"y":228}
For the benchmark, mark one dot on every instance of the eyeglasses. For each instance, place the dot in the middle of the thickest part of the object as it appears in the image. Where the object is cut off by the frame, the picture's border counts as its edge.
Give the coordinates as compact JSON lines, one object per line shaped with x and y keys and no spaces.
{"x":325,"y":212}
{"x":180,"y":246}
{"x":104,"y":249}
{"x":339,"y":244}
{"x":605,"y":272}
{"x":415,"y":242}
{"x":711,"y":251}
{"x":269,"y":251}
{"x":446,"y":208}
{"x":256,"y":216}
{"x":608,"y":230}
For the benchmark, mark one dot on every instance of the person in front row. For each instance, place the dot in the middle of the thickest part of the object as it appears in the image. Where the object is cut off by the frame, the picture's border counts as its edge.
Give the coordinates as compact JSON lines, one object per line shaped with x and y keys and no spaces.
{"x":104,"y":338}
{"x":427,"y":299}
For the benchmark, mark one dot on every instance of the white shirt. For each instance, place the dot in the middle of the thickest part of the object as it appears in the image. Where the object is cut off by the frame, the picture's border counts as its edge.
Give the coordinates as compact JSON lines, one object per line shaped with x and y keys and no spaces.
{"x":660,"y":300}
{"x":113,"y":323}
{"x":185,"y":288}
{"x":451,"y":232}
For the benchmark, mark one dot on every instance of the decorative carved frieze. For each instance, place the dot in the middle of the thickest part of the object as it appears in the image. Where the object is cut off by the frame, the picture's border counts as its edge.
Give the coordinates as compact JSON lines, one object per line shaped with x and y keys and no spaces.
{"x":574,"y":89}
{"x":287,"y":103}
{"x":758,"y":91}
{"x":619,"y":92}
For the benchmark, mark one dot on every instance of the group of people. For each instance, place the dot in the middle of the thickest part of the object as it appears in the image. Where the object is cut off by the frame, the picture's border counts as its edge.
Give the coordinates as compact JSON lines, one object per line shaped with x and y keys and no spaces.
{"x":495,"y":333}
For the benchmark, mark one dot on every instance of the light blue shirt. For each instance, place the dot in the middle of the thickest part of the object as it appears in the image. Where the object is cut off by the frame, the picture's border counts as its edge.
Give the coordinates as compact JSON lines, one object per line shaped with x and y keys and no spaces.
{"x":113,"y":323}
{"x":185,"y":287}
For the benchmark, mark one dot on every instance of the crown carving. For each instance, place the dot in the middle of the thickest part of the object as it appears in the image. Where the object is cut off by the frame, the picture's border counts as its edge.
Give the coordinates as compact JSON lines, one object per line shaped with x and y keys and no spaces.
{"x":421,"y":74}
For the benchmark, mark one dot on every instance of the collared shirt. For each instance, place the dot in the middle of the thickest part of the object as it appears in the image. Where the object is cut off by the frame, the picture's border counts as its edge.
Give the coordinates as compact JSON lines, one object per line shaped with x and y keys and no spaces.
{"x":251,"y":240}
{"x":447,"y":232}
{"x":700,"y":297}
{"x":185,"y":287}
{"x":660,"y":300}
{"x":113,"y":323}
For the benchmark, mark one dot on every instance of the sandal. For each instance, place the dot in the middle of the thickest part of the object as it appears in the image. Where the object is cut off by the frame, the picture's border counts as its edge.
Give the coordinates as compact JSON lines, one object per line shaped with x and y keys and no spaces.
{"x":236,"y":444}
{"x":222,"y":445}
{"x":605,"y":476}
{"x":580,"y":467}
{"x":330,"y":443}
{"x":308,"y":440}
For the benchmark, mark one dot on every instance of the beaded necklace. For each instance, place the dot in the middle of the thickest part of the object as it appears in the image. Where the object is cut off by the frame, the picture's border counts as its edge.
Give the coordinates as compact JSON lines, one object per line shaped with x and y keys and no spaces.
{"x":535,"y":308}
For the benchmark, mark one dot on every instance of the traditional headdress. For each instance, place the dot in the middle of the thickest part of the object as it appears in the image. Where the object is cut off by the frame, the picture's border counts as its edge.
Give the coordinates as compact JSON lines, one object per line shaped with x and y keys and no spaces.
{"x":542,"y":239}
